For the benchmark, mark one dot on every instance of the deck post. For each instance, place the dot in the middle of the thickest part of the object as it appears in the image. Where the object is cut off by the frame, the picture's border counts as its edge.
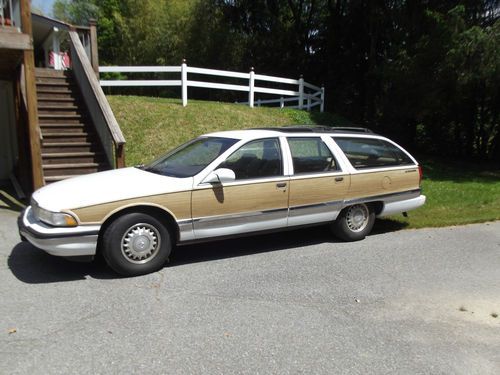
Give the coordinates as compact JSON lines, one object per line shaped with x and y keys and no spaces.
{"x":184,"y":83}
{"x":31,"y":99}
{"x":94,"y":55}
{"x":251,"y":88}
{"x":301,"y":92}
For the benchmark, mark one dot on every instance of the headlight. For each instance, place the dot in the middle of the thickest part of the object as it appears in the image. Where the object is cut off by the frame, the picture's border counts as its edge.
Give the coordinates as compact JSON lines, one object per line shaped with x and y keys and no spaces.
{"x":57,"y":219}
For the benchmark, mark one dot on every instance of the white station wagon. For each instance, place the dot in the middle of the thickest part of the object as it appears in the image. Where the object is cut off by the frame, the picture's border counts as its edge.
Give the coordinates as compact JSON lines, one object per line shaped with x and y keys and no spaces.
{"x":225,"y":184}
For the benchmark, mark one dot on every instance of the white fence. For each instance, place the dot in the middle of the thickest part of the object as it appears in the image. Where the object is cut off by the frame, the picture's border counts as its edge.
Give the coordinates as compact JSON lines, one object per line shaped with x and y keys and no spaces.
{"x":303,"y":93}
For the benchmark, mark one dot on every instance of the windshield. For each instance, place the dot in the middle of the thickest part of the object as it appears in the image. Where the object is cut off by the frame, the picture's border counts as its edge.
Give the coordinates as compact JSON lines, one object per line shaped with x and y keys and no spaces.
{"x":190,"y":158}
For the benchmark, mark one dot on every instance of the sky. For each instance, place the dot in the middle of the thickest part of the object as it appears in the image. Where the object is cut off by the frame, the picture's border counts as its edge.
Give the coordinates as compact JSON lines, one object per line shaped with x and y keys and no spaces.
{"x":44,"y":5}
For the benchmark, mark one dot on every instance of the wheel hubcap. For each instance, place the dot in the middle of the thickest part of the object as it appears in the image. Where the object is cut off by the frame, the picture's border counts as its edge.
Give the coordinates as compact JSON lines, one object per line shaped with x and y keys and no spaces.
{"x":357,"y":217}
{"x":140,"y":243}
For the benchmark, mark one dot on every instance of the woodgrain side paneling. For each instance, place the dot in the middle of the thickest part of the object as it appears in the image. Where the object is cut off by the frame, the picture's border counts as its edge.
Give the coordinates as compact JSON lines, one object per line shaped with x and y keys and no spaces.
{"x":239,"y":198}
{"x":380,"y":183}
{"x":318,"y":190}
{"x":179,"y":204}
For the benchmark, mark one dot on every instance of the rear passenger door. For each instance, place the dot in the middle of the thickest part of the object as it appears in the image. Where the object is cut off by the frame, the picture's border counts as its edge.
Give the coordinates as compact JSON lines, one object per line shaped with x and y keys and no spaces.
{"x":318,"y":185}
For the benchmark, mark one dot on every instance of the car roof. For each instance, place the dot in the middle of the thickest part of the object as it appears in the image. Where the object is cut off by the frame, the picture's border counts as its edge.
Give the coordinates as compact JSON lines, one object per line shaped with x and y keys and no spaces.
{"x":295,"y":130}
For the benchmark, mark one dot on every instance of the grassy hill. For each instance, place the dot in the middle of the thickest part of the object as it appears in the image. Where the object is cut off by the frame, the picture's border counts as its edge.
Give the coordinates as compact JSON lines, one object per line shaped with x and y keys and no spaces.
{"x":457,"y":192}
{"x":152,"y":126}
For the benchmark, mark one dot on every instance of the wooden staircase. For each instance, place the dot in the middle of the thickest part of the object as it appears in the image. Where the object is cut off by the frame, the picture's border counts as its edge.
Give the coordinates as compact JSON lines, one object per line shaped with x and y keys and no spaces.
{"x":70,"y":144}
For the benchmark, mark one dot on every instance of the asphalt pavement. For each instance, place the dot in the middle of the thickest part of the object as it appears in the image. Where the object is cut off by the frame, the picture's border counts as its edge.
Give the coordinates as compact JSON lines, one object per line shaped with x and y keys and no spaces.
{"x":399,"y":302}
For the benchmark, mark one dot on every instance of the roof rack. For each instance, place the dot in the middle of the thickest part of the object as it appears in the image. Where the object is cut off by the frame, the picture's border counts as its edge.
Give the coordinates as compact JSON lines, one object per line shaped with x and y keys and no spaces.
{"x":319,"y":129}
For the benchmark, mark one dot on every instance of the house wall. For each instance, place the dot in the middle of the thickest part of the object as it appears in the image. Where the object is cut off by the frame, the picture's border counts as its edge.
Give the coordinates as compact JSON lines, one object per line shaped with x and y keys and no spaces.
{"x":8,"y":138}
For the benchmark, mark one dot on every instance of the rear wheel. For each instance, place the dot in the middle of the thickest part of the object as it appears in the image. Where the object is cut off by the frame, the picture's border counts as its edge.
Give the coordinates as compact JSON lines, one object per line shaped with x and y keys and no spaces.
{"x":136,"y":244}
{"x":354,"y":223}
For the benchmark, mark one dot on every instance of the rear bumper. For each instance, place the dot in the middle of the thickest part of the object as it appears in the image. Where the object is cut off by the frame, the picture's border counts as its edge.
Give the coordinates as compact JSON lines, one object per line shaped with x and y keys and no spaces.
{"x":402,"y":206}
{"x":66,"y":242}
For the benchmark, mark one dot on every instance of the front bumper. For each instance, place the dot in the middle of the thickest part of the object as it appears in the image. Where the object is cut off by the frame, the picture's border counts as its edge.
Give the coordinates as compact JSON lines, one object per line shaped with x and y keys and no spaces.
{"x":66,"y":242}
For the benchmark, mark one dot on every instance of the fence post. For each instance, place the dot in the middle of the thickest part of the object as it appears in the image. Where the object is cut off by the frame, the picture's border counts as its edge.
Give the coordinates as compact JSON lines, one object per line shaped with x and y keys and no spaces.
{"x":301,"y":92}
{"x":184,"y":83}
{"x":251,"y":87}
{"x":282,"y":102}
{"x":322,"y":105}
{"x":258,"y":102}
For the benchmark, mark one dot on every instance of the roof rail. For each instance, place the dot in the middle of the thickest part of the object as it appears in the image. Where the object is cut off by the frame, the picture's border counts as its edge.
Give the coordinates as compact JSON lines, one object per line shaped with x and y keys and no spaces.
{"x":318,"y":129}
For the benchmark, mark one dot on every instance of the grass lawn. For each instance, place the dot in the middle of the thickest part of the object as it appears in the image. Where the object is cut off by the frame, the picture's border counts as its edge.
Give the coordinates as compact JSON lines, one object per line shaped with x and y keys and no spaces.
{"x":457,"y":193}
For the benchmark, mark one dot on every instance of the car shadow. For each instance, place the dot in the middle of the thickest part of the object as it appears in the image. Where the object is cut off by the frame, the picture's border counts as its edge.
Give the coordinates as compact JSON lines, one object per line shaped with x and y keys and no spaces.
{"x":33,"y":266}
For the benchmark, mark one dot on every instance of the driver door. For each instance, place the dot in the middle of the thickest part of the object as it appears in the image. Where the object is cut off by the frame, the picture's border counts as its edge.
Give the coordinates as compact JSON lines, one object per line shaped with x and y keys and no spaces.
{"x":256,"y":200}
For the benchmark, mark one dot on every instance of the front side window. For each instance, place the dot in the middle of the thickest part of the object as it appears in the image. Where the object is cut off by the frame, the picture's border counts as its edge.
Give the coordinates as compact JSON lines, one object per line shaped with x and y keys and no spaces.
{"x":372,"y":153}
{"x":256,"y":159}
{"x":311,"y":155}
{"x":190,"y":158}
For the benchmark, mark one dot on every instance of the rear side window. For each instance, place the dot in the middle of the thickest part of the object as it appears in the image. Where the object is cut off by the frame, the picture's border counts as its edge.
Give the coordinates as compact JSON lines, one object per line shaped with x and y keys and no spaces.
{"x":311,"y":155}
{"x":372,"y":153}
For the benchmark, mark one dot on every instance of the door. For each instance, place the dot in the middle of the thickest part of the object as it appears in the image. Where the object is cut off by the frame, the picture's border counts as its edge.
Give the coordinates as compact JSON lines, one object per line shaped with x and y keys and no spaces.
{"x":318,"y":185}
{"x":256,"y":200}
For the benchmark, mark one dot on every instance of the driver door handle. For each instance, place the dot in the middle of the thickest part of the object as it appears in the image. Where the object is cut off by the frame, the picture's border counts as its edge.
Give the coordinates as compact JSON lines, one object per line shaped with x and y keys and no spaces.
{"x":281,"y":185}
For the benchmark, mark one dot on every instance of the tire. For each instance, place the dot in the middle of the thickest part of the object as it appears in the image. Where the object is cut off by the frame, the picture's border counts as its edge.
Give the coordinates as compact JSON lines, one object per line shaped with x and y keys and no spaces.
{"x":354,"y":223}
{"x":136,"y":244}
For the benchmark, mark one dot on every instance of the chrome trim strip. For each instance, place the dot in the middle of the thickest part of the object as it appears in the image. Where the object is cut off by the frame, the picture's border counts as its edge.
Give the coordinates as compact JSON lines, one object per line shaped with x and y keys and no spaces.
{"x":317,"y":208}
{"x":238,"y":219}
{"x":386,"y":198}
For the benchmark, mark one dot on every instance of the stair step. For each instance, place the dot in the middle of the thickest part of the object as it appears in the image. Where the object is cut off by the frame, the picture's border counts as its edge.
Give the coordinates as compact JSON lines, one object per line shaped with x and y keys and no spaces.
{"x":68,"y":134}
{"x":72,"y":168}
{"x":53,"y":90}
{"x":71,"y":158}
{"x":56,"y":107}
{"x":46,"y":72}
{"x":71,"y":165}
{"x":59,"y":178}
{"x":50,"y":98}
{"x":54,"y":80}
{"x":44,"y":114}
{"x":67,"y":154}
{"x":67,"y":144}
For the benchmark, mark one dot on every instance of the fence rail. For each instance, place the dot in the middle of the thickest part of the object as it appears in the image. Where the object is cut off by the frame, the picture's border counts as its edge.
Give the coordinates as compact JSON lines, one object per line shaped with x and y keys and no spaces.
{"x":304,"y":93}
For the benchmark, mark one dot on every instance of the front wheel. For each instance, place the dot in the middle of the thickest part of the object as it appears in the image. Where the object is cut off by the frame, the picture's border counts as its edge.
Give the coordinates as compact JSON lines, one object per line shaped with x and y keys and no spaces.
{"x":354,"y":223}
{"x":136,"y":244}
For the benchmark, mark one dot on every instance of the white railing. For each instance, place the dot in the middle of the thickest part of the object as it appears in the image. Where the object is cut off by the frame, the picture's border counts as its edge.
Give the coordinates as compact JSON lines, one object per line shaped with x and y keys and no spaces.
{"x":305,"y":94}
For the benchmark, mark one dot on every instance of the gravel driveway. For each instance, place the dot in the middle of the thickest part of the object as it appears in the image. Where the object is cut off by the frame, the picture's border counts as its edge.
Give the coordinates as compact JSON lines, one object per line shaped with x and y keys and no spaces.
{"x":403,"y":301}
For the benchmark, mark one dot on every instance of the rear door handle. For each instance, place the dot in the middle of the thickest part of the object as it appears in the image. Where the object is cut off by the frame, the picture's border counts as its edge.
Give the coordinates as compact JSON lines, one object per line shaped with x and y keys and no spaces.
{"x":281,"y":185}
{"x":338,"y":179}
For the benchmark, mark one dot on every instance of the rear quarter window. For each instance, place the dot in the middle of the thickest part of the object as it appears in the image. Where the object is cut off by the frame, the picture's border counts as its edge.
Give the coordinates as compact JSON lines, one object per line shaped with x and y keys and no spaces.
{"x":372,"y":153}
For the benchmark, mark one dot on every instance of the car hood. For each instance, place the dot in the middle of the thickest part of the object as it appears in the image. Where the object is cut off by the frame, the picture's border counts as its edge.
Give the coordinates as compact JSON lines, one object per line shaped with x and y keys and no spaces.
{"x":109,"y":186}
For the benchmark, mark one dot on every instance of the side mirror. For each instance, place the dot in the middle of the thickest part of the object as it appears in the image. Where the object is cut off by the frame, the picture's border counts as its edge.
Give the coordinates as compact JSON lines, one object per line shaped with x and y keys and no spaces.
{"x":219,"y":176}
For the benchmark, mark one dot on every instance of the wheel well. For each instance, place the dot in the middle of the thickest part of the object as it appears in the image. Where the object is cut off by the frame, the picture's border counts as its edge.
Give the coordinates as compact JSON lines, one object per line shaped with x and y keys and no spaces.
{"x":156,"y":212}
{"x":377,"y":206}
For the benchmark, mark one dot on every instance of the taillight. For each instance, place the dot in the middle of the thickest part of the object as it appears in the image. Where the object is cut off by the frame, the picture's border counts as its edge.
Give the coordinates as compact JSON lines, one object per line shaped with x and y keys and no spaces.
{"x":420,"y":174}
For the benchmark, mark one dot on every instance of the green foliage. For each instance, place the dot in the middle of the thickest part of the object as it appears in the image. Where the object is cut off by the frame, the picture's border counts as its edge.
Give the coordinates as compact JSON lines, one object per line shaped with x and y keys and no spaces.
{"x":427,"y":73}
{"x":76,"y":12}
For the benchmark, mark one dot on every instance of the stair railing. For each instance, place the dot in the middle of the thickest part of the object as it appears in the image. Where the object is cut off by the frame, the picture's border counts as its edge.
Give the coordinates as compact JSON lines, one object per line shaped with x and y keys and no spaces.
{"x":103,"y":118}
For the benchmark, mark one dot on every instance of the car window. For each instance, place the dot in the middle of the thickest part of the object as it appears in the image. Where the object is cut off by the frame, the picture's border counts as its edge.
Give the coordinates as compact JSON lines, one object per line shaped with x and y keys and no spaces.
{"x":256,"y":159}
{"x":311,"y":155}
{"x":372,"y":153}
{"x":190,"y":158}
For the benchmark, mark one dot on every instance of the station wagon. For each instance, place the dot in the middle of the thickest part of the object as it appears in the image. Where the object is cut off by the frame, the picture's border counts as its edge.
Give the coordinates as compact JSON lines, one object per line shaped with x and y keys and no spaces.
{"x":225,"y":184}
